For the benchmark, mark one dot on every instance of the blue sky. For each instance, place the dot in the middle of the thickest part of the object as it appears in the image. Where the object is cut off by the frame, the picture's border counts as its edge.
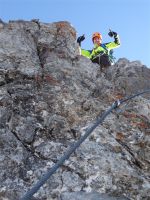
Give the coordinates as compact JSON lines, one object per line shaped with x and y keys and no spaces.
{"x":129,"y":18}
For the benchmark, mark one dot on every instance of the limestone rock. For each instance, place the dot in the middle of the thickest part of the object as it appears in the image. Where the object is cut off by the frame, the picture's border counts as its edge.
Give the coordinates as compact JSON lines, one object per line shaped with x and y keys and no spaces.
{"x":49,"y":96}
{"x":90,"y":196}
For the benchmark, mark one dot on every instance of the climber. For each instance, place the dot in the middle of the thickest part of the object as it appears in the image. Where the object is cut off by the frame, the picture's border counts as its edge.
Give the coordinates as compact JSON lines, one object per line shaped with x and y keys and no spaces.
{"x":101,"y":53}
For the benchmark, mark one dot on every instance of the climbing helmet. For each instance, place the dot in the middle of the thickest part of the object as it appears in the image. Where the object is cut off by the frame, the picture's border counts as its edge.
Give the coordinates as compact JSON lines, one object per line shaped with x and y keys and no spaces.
{"x":96,"y":34}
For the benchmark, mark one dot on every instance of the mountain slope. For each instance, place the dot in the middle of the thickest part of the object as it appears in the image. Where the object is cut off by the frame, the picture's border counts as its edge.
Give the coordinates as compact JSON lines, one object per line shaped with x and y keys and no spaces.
{"x":49,"y":95}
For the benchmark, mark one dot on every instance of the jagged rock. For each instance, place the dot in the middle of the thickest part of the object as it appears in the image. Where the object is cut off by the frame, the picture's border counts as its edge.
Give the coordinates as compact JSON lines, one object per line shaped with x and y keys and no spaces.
{"x":49,"y":96}
{"x":129,"y":77}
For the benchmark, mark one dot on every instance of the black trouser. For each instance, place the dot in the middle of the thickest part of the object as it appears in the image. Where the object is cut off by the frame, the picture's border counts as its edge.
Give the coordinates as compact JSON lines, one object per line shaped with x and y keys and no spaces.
{"x":102,"y":60}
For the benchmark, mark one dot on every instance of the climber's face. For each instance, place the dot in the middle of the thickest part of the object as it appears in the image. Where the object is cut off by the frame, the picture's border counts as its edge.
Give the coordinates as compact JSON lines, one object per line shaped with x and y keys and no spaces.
{"x":97,"y":40}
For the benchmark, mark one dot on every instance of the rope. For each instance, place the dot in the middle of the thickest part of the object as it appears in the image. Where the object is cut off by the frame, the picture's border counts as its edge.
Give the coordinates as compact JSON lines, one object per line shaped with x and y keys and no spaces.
{"x":133,"y":96}
{"x":72,"y":149}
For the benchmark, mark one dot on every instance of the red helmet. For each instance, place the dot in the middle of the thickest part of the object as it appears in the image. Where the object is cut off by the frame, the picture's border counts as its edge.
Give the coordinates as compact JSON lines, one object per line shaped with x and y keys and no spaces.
{"x":96,"y":34}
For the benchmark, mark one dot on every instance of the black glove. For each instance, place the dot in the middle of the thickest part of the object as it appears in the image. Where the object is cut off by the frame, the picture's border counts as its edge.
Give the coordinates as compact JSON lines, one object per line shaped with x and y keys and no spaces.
{"x":112,"y":34}
{"x":80,"y":39}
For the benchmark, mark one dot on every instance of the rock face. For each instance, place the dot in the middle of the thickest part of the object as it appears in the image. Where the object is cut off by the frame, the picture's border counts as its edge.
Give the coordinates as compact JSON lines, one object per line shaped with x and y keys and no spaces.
{"x":49,"y":95}
{"x":90,"y":196}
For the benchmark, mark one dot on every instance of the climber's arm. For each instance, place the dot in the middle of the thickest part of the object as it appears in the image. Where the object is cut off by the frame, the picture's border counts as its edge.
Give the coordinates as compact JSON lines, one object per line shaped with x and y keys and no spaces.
{"x":112,"y":45}
{"x":86,"y":53}
{"x":116,"y":43}
{"x":83,"y":52}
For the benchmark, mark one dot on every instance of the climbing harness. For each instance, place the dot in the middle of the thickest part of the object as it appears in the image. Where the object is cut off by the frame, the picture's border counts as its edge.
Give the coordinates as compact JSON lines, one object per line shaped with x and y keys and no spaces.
{"x":110,"y":54}
{"x":72,"y":149}
{"x":104,"y":59}
{"x":98,"y":57}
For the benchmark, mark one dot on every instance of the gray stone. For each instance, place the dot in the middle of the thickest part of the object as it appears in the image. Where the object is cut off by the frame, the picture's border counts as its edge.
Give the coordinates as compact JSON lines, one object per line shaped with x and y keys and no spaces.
{"x":89,"y":196}
{"x":49,"y":97}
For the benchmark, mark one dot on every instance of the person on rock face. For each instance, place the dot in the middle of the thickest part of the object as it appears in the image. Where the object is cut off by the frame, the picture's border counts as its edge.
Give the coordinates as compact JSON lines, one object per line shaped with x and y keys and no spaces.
{"x":101,"y":53}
